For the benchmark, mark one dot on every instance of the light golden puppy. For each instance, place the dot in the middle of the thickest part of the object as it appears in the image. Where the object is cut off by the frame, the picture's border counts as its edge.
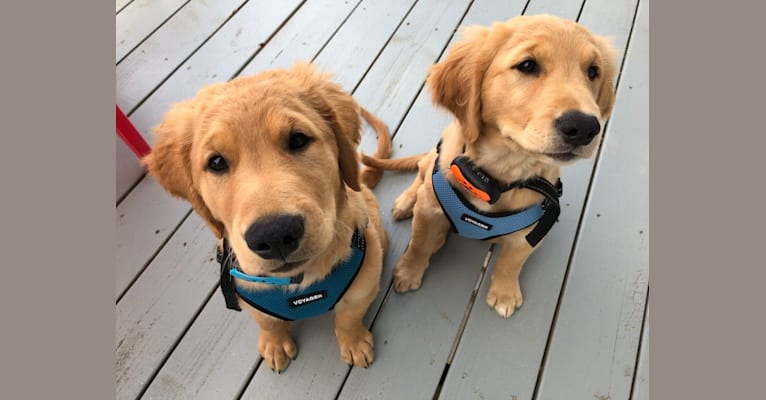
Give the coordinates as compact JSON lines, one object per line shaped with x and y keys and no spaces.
{"x":528,"y":95}
{"x":270,"y":163}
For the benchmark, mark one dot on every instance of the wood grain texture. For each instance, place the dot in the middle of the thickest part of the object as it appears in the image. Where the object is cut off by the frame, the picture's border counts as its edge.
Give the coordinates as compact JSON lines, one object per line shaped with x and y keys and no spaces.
{"x":138,"y":20}
{"x":594,"y":344}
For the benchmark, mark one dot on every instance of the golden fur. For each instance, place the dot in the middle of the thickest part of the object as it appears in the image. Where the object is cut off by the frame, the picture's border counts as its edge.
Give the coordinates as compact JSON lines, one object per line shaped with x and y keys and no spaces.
{"x":250,"y":122}
{"x":506,"y":120}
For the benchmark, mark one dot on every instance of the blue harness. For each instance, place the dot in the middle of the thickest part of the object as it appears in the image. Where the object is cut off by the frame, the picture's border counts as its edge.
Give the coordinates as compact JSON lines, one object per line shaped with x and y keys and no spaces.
{"x":285,"y":302}
{"x":471,"y":223}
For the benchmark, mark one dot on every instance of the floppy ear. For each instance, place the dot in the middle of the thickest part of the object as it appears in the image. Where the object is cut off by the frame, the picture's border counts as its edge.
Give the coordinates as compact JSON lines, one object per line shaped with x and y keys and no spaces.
{"x":455,"y":82}
{"x":606,"y":95}
{"x":341,"y":112}
{"x":170,"y":160}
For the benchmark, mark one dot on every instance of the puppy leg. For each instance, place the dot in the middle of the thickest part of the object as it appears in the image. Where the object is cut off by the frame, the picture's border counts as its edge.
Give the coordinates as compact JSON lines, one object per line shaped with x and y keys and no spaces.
{"x":404,"y":204}
{"x":429,"y":231}
{"x":354,"y":339}
{"x":505,"y":293}
{"x":274,"y":342}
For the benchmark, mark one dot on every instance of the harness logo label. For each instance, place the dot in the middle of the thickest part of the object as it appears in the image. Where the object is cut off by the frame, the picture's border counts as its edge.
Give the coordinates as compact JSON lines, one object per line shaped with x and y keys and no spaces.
{"x":475,"y":222}
{"x":306,"y":298}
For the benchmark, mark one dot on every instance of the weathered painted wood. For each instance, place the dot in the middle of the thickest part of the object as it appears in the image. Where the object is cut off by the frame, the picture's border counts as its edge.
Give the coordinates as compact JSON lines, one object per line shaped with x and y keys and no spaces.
{"x":361,"y":38}
{"x":217,"y":60}
{"x":214,"y":359}
{"x":153,"y":315}
{"x":641,"y":383}
{"x":121,"y":4}
{"x":302,"y":38}
{"x":594,"y":344}
{"x":152,"y":61}
{"x":519,"y":342}
{"x":127,"y":169}
{"x":145,"y":219}
{"x":569,"y":9}
{"x":421,"y":347}
{"x":138,"y":20}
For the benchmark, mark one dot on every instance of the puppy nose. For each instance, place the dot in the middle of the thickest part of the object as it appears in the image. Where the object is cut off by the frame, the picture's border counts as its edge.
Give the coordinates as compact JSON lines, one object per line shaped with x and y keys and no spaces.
{"x":275,"y":236}
{"x":577,"y":129}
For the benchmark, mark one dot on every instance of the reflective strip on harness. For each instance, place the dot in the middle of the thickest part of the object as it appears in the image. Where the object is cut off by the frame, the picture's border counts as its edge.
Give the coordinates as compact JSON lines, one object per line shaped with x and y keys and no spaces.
{"x":471,"y":224}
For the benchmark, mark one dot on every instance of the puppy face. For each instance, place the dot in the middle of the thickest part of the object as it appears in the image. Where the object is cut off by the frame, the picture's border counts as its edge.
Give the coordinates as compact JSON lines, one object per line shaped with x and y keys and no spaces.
{"x":265,"y":160}
{"x":545,"y":83}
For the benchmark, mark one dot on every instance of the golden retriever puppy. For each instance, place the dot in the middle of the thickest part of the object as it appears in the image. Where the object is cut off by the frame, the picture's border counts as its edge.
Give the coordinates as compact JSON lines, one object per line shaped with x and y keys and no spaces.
{"x":529,"y":95}
{"x":269,"y":162}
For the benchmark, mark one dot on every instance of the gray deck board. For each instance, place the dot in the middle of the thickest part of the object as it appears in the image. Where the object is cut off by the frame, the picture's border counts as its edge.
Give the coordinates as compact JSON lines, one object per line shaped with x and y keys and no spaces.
{"x":144,"y":221}
{"x":490,"y":340}
{"x":128,"y":170}
{"x":153,"y":315}
{"x":151,"y":62}
{"x":594,"y":344}
{"x":175,"y":338}
{"x":138,"y":20}
{"x":641,"y":382}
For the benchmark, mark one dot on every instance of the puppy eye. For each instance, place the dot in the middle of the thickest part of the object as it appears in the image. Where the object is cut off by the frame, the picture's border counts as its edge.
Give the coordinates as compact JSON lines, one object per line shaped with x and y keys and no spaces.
{"x":298,"y":141}
{"x":217,"y":164}
{"x":593,"y":72}
{"x":529,"y":67}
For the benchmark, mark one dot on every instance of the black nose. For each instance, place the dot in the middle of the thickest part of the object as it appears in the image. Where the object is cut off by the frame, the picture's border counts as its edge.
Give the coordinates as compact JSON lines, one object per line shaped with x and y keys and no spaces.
{"x":275,"y":236}
{"x":577,"y":129}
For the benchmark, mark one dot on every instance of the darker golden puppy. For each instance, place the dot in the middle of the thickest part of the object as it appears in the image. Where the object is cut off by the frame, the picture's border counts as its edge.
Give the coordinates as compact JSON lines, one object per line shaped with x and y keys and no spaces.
{"x":270,"y":163}
{"x":528,"y":95}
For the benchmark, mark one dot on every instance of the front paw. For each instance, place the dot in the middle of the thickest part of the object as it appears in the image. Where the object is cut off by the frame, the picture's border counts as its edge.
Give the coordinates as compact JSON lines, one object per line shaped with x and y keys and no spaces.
{"x":277,"y":350}
{"x":356,"y":348}
{"x":403,"y":206}
{"x":505,"y":298}
{"x":406,"y":279}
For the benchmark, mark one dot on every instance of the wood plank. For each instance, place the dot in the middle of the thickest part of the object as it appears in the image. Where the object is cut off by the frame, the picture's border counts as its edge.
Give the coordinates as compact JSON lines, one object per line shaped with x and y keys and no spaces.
{"x":218,"y":59}
{"x":594,"y":345}
{"x":138,"y":20}
{"x":302,"y":38}
{"x":641,"y":383}
{"x":360,"y":40}
{"x":121,"y":4}
{"x":214,"y":358}
{"x":145,"y":219}
{"x":127,"y":169}
{"x":569,"y":9}
{"x":156,"y":58}
{"x":154,"y":313}
{"x":420,"y":347}
{"x":523,"y":337}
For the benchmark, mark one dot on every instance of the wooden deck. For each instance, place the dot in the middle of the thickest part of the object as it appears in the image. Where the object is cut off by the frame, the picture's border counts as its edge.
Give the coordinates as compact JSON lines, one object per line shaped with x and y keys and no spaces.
{"x":581,"y":333}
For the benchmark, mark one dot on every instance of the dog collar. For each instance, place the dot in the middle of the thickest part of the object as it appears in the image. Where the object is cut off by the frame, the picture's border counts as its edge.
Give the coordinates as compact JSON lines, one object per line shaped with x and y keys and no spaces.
{"x":472,"y":223}
{"x":284,"y":300}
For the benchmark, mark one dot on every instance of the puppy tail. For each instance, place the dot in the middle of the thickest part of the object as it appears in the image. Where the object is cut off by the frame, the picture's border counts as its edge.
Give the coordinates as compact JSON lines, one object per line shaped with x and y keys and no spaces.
{"x":371,"y":175}
{"x":409,"y":163}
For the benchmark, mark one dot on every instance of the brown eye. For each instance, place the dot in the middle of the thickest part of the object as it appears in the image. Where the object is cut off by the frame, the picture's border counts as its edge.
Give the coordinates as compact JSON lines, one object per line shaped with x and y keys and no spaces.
{"x":298,"y":141}
{"x":593,"y":72}
{"x":528,"y":67}
{"x":217,"y":164}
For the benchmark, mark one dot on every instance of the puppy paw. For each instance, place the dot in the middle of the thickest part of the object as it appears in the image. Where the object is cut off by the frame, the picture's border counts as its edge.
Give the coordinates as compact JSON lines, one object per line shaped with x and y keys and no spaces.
{"x":277,"y":350}
{"x":403,"y":206}
{"x":505,"y":299}
{"x":356,"y":348}
{"x":405,"y":279}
